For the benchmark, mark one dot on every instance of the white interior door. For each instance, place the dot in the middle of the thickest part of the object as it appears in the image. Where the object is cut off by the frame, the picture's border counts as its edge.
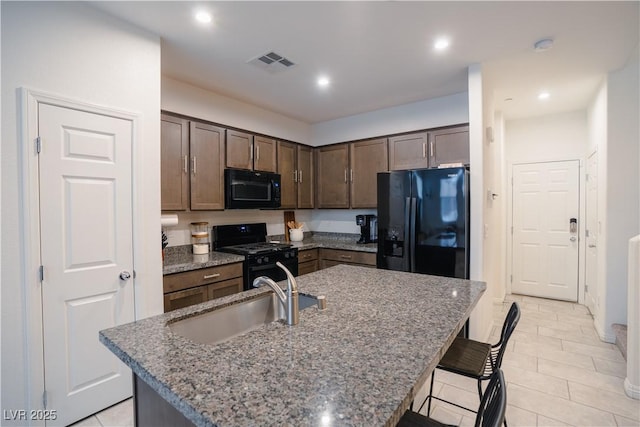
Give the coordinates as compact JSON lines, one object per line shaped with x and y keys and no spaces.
{"x":86,"y":242}
{"x":545,"y":246}
{"x":591,"y":233}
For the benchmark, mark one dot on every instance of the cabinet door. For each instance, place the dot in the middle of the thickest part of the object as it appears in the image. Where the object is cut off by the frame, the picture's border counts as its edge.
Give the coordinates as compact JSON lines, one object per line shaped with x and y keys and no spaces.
{"x":181,"y":299}
{"x":449,"y":146}
{"x":408,"y":151}
{"x":207,"y":167}
{"x":333,"y":170}
{"x":174,"y":169}
{"x":288,"y":174}
{"x":306,"y":178}
{"x":367,"y":159}
{"x":239,"y":150}
{"x":227,"y":287}
{"x":264,"y":154}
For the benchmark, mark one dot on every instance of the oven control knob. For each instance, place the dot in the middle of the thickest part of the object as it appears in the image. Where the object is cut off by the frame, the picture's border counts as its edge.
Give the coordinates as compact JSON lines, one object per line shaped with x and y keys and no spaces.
{"x":266,"y":259}
{"x":259,"y":260}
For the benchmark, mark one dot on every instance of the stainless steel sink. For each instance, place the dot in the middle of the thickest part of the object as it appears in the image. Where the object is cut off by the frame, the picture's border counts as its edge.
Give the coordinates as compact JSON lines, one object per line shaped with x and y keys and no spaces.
{"x":220,"y":325}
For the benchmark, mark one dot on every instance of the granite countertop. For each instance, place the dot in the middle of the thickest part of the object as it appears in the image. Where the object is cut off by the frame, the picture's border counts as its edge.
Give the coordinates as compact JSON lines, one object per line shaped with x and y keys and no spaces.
{"x":325,"y":240}
{"x":360,"y":362}
{"x":180,"y":259}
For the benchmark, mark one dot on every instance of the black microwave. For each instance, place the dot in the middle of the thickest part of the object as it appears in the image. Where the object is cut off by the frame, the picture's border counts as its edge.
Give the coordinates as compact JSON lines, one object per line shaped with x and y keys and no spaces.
{"x":251,"y":190}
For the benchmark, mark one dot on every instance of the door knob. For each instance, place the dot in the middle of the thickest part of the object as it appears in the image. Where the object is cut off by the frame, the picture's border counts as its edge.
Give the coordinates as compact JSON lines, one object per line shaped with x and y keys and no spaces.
{"x":125,"y":275}
{"x":573,"y":238}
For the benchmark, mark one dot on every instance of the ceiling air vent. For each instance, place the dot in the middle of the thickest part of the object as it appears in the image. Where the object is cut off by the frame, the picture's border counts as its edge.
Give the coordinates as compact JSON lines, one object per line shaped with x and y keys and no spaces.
{"x":272,"y":62}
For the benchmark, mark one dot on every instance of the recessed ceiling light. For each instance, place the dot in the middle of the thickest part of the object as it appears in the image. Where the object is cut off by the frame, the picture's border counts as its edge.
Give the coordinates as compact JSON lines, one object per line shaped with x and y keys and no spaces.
{"x":543,"y":95}
{"x":543,"y":45}
{"x":203,"y":17}
{"x":441,"y":43}
{"x":323,"y":81}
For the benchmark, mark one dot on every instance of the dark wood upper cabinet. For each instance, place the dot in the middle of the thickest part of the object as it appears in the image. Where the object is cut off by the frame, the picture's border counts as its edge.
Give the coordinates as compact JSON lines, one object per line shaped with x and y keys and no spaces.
{"x":207,"y":167}
{"x":174,"y":168}
{"x":449,"y":146}
{"x":246,"y":151}
{"x":367,"y":159}
{"x":295,"y":166}
{"x":264,"y":154}
{"x":239,"y":150}
{"x":333,"y":171}
{"x":305,"y":177}
{"x":287,"y":168}
{"x":409,"y":151}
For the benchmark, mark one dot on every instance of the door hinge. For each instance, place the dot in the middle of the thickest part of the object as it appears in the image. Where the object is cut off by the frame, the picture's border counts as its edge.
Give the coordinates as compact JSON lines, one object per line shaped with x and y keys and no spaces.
{"x":586,"y":233}
{"x":38,"y":144}
{"x":511,"y":278}
{"x":44,"y":399}
{"x":41,"y":273}
{"x":512,"y":230}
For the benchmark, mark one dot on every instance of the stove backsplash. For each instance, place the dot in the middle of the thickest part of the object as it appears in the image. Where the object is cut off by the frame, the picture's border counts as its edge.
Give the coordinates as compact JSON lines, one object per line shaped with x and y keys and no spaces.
{"x":327,"y":220}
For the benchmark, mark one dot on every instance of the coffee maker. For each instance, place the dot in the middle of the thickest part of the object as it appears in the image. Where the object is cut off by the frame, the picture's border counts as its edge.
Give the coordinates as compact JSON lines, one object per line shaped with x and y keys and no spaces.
{"x":368,"y":228}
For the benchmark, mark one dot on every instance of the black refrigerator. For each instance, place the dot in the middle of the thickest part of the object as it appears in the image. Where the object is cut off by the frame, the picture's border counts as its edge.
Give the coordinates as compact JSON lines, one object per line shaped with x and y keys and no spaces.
{"x":423,"y":221}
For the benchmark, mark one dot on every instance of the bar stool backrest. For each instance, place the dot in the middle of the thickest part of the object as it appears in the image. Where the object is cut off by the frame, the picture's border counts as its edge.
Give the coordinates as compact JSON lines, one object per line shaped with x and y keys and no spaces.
{"x":510,"y":322}
{"x":493,"y":405}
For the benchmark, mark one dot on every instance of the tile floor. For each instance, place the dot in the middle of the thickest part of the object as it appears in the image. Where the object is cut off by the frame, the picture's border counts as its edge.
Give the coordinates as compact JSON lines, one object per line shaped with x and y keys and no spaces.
{"x":557,"y":370}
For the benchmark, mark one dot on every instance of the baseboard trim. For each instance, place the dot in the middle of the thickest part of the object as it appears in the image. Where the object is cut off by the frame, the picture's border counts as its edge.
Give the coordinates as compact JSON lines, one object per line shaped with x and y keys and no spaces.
{"x":632,"y":390}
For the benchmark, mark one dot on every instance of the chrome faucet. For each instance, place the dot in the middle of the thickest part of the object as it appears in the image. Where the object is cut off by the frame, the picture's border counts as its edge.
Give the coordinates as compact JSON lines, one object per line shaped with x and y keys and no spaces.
{"x":290,"y":300}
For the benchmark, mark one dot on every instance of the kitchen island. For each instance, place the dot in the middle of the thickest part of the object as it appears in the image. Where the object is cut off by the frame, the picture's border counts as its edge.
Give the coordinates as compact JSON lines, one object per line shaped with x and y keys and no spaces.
{"x":359,"y":362}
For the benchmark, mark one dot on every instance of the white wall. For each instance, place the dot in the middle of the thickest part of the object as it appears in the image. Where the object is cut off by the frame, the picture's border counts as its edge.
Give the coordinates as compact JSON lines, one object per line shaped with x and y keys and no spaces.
{"x":545,"y":138}
{"x":431,"y":113}
{"x":622,"y":187}
{"x":554,"y":137}
{"x":183,"y":98}
{"x":481,"y":320}
{"x":73,"y":50}
{"x":597,"y":141}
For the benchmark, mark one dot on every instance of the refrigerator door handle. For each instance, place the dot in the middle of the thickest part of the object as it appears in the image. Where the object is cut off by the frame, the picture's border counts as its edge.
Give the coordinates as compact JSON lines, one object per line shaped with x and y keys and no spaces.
{"x":407,"y":218}
{"x":412,"y":235}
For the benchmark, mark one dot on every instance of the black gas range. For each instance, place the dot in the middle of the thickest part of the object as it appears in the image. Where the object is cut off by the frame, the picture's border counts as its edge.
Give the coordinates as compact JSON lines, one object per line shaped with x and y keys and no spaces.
{"x":260,"y":256}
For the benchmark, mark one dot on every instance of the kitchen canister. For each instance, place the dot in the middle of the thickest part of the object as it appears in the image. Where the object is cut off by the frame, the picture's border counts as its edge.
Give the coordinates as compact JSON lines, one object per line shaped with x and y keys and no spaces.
{"x":200,"y":237}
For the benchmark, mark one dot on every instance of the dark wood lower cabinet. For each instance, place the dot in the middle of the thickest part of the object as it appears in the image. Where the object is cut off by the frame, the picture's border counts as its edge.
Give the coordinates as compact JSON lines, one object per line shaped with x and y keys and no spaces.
{"x":196,"y":286}
{"x":331,"y":257}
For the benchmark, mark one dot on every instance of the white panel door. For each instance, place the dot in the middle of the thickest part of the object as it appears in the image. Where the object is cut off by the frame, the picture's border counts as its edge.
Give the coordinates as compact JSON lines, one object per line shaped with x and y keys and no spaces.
{"x":591,"y":232}
{"x":545,"y":247}
{"x":86,"y":242}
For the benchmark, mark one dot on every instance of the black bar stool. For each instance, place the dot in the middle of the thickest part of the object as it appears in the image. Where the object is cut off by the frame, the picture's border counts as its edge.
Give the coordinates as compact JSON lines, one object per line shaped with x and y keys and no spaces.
{"x":491,"y":411}
{"x":475,"y":359}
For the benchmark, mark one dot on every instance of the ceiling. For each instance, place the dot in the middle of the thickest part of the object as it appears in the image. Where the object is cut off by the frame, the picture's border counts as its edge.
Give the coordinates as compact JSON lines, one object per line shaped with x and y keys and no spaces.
{"x":380,"y":54}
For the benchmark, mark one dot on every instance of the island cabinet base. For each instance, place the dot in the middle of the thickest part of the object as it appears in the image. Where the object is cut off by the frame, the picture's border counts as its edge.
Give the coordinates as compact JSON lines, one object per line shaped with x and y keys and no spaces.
{"x":151,"y":410}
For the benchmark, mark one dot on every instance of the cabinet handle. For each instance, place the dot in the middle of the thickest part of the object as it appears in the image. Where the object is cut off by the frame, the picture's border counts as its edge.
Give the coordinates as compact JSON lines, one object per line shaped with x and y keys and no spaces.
{"x":424,"y":150}
{"x":251,"y":153}
{"x":345,"y":256}
{"x":351,"y":172}
{"x":258,"y":152}
{"x":300,"y":176}
{"x":295,"y":176}
{"x":185,"y":164}
{"x":211,"y":276}
{"x":193,"y":160}
{"x":345,"y":175}
{"x":431,"y":148}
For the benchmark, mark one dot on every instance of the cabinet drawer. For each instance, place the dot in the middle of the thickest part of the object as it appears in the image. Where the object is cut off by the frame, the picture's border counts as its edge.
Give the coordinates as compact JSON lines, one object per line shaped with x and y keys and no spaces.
{"x":181,"y":299}
{"x":203,"y":276}
{"x":228,"y":287}
{"x":348,"y":257}
{"x":308,"y":255}
{"x":307,"y":267}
